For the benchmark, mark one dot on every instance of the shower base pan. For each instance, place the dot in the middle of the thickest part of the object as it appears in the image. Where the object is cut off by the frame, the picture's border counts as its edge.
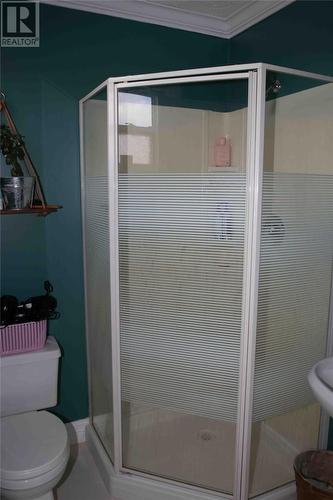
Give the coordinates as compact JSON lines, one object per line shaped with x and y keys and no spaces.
{"x":129,"y":486}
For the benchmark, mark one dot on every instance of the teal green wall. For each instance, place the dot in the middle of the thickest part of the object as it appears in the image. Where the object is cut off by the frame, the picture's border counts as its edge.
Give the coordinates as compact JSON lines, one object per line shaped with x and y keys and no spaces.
{"x":23,"y":256}
{"x":299,"y":36}
{"x":23,"y":246}
{"x":43,"y":85}
{"x":78,"y":51}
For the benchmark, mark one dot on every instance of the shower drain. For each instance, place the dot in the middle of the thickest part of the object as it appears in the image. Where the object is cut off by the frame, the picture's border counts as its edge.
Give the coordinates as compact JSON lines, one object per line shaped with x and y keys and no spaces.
{"x":206,"y":435}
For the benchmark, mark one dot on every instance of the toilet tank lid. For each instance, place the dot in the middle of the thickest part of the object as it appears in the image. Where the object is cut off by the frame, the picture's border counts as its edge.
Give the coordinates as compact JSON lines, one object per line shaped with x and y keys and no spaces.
{"x":50,"y":351}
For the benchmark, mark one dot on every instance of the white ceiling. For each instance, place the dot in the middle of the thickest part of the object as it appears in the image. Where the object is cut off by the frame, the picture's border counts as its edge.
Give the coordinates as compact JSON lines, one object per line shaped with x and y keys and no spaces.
{"x":222,"y":18}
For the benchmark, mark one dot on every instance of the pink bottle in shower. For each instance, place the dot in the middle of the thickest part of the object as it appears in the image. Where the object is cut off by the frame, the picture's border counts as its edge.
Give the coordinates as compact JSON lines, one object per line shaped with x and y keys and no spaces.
{"x":222,"y":152}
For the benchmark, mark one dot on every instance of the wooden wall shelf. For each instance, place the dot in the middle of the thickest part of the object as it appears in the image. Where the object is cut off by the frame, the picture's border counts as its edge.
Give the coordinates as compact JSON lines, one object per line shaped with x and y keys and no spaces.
{"x":37,"y":210}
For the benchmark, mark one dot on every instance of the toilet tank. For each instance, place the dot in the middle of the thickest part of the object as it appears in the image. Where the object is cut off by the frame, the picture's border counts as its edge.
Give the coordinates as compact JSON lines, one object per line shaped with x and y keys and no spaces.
{"x":29,"y":381}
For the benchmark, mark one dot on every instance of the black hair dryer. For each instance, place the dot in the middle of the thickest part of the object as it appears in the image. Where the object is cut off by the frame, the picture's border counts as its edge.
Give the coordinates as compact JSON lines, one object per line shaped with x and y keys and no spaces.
{"x":8,"y":309}
{"x":41,"y":307}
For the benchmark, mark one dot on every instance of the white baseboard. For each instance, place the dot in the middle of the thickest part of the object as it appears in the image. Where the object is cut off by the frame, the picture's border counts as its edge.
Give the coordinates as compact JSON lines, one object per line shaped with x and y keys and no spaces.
{"x":77,"y":430}
{"x":131,"y":487}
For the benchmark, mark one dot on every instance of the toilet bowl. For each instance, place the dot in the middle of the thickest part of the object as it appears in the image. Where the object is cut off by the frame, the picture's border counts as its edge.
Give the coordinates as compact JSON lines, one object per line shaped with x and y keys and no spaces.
{"x":34,"y":455}
{"x":34,"y":444}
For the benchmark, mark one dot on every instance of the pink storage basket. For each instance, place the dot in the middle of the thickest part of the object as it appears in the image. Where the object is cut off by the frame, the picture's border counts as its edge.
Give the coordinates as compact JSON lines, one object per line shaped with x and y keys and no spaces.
{"x":23,"y":337}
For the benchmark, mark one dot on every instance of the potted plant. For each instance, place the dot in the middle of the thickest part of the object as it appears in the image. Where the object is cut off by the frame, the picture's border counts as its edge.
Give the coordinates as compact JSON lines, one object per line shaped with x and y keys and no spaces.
{"x":17,"y":191}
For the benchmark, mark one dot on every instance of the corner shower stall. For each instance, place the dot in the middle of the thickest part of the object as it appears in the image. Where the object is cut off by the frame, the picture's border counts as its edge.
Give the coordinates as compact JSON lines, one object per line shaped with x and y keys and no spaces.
{"x":207,"y":203}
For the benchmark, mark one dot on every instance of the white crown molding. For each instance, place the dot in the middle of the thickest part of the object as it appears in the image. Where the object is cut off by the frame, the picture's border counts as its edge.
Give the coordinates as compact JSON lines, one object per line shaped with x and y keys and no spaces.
{"x":253,"y":14}
{"x":153,"y":13}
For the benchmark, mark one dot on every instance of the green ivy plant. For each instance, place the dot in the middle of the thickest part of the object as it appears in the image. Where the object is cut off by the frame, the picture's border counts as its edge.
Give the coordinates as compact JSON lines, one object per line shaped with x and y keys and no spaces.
{"x":11,"y":146}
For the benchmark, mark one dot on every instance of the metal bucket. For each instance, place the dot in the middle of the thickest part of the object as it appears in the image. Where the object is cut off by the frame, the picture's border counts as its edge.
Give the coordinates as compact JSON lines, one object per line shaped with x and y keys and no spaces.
{"x":17,"y":192}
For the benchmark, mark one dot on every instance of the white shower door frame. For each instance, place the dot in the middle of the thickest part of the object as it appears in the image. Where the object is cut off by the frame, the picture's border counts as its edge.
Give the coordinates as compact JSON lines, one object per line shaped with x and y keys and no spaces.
{"x":256,"y":102}
{"x":256,"y":76}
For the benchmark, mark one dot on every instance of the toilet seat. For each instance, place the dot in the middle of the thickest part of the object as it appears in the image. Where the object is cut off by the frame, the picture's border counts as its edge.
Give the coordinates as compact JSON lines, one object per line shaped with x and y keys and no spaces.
{"x":34,"y":448}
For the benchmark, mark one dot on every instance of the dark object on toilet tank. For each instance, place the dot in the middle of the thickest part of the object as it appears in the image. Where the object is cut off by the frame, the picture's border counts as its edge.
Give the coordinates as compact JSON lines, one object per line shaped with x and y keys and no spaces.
{"x":33,"y":309}
{"x":8,"y":307}
{"x":42,"y":306}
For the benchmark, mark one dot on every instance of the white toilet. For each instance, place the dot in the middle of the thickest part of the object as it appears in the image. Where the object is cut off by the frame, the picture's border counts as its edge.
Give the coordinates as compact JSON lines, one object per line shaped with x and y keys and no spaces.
{"x":34,"y":444}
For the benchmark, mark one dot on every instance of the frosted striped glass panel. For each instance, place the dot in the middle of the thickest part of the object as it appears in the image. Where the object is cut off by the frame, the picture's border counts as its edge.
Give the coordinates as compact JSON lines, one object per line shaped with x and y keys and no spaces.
{"x":293,"y":308}
{"x":97,"y":267}
{"x":181,"y":272}
{"x":294,"y":288}
{"x":294,"y":276}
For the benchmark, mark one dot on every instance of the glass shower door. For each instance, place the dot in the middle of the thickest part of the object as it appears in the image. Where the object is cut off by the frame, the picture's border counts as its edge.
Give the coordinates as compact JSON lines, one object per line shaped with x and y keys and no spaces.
{"x":95,"y":210}
{"x":295,"y":275}
{"x":182,"y":193}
